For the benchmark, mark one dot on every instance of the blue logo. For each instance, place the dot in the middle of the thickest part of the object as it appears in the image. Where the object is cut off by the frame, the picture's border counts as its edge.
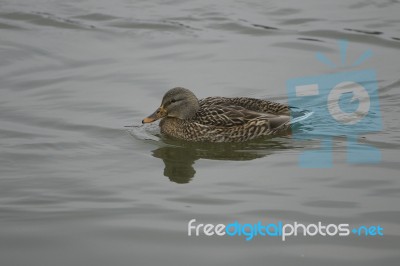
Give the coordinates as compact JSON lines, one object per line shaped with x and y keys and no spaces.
{"x":281,"y":230}
{"x":344,"y":104}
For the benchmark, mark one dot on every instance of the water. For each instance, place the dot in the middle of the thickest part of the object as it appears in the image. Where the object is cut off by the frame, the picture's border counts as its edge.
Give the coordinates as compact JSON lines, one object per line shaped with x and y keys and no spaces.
{"x":78,"y":188}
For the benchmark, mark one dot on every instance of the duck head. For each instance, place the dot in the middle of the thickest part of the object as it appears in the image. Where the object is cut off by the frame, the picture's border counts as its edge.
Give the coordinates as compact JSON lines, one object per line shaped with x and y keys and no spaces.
{"x":178,"y":102}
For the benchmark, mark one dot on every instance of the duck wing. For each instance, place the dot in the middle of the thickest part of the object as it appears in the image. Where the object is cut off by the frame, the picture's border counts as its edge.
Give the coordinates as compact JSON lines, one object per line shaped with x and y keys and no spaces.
{"x":233,"y":115}
{"x":252,"y":104}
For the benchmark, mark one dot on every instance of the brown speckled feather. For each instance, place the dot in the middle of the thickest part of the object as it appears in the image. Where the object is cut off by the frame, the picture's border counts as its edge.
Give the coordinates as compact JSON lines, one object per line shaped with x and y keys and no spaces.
{"x":221,"y":119}
{"x":257,"y":105}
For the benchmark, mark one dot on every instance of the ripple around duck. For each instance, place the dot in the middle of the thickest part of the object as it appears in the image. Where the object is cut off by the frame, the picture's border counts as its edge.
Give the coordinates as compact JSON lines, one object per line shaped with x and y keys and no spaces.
{"x":389,"y":92}
{"x":7,"y":26}
{"x":20,"y":16}
{"x":366,"y":31}
{"x":149,"y":25}
{"x":305,"y":46}
{"x":202,"y":200}
{"x":331,"y":204}
{"x":365,"y":38}
{"x":298,"y":21}
{"x":244,"y":28}
{"x":15,"y":134}
{"x":45,"y":19}
{"x":96,"y":17}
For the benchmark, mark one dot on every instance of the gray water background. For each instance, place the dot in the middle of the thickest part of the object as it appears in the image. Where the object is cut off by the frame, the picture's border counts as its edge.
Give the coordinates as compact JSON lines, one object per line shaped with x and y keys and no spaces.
{"x":78,"y":188}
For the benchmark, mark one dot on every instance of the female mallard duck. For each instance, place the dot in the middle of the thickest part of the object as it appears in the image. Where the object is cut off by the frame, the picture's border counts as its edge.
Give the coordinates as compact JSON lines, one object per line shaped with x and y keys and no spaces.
{"x":218,"y":119}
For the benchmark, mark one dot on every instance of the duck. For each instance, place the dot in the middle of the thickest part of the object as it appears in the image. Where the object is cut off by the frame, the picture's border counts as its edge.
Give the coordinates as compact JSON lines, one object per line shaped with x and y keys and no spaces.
{"x":218,"y":119}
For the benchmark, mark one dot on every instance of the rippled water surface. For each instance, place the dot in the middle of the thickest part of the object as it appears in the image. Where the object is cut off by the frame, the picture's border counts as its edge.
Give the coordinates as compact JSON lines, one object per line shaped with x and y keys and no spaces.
{"x":79,"y":188}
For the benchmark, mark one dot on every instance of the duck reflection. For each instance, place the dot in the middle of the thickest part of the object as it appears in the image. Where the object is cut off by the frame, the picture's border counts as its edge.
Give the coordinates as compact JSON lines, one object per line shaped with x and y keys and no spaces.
{"x":180,"y":156}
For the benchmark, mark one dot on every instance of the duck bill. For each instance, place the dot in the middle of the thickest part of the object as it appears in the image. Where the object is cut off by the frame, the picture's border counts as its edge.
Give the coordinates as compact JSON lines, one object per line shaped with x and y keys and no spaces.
{"x":159,"y":113}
